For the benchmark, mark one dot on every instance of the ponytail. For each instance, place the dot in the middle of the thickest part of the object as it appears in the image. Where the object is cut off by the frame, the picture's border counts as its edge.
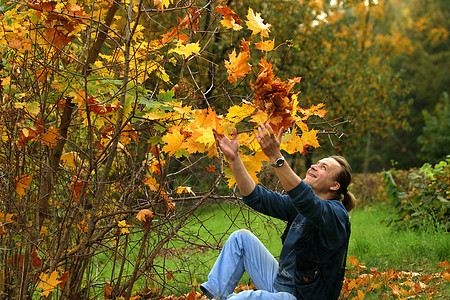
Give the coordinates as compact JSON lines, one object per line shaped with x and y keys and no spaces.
{"x":349,"y":201}
{"x":344,"y":178}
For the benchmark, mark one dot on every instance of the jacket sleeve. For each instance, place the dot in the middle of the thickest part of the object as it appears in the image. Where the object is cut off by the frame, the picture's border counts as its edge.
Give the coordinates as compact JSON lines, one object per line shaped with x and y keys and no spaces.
{"x":329,"y":216}
{"x":271,"y":203}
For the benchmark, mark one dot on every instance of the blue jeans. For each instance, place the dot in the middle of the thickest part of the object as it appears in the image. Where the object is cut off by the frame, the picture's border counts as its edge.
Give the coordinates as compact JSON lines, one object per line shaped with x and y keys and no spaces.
{"x":244,"y":252}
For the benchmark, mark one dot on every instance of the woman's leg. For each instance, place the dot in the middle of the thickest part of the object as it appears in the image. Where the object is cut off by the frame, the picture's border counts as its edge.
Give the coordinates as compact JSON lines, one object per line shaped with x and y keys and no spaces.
{"x":243,"y":251}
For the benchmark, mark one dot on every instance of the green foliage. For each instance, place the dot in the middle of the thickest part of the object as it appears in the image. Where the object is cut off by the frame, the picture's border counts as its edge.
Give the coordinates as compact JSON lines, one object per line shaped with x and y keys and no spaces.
{"x":421,"y":197}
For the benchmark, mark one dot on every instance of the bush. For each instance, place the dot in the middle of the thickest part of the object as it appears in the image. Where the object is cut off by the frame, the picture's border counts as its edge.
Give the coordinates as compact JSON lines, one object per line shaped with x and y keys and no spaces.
{"x":421,"y":196}
{"x":368,"y":188}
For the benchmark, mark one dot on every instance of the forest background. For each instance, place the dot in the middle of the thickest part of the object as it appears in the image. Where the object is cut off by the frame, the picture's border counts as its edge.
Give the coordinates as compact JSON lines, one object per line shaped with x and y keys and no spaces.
{"x":108,"y":110}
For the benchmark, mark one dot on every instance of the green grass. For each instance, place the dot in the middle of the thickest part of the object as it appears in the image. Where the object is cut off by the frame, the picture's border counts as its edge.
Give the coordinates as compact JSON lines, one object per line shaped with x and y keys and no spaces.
{"x":410,"y":250}
{"x":371,"y":242}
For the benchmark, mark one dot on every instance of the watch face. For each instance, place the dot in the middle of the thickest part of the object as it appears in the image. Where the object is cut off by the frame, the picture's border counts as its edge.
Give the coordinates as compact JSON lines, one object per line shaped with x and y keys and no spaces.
{"x":280,"y":162}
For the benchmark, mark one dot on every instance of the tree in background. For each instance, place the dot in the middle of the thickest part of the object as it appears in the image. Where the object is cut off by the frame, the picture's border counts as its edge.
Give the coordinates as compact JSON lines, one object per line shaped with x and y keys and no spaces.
{"x":414,"y":36}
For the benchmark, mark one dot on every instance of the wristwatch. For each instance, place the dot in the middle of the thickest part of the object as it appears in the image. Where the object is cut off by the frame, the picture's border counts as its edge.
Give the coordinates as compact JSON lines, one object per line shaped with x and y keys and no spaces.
{"x":279,"y":162}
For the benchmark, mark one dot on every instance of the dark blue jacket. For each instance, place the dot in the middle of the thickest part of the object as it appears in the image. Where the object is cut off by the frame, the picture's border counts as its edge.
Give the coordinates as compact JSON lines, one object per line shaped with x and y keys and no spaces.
{"x":312,"y":259}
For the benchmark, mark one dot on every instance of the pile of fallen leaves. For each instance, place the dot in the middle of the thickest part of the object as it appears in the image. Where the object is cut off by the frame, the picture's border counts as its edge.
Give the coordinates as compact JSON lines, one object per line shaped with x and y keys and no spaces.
{"x":391,"y":284}
{"x":362,"y":282}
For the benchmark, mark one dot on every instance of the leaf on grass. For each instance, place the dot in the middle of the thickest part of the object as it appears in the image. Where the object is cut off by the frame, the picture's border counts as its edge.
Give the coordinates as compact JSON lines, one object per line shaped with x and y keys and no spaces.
{"x":256,"y":24}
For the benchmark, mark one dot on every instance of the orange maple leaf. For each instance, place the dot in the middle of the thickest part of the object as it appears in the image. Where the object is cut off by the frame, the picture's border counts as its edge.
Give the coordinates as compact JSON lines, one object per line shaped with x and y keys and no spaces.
{"x":48,"y":283}
{"x":190,"y":20}
{"x":49,"y":137}
{"x":22,"y":184}
{"x":230,"y":18}
{"x":237,"y":66}
{"x":145,"y":216}
{"x":265,"y":45}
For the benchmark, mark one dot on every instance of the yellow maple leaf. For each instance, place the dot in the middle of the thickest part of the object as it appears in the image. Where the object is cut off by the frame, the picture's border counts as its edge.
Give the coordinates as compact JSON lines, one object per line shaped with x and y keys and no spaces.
{"x":237,"y":113}
{"x":173,"y":141}
{"x":151,"y":183}
{"x":265,"y":45}
{"x":292,"y":143}
{"x":186,"y":50}
{"x":48,"y":283}
{"x":309,"y":138}
{"x":260,"y":118}
{"x":22,"y":184}
{"x":256,"y":24}
{"x":71,"y":159}
{"x":185,"y":189}
{"x":237,"y":66}
{"x":6,"y":81}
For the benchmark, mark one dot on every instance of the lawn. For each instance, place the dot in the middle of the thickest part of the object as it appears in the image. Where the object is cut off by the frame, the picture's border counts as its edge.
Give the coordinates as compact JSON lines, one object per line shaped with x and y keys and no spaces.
{"x":383,"y":264}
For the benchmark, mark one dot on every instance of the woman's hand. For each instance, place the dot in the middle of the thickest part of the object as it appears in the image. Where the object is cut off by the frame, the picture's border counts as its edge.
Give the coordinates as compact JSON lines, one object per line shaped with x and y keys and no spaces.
{"x":229,"y":148}
{"x":270,"y":144}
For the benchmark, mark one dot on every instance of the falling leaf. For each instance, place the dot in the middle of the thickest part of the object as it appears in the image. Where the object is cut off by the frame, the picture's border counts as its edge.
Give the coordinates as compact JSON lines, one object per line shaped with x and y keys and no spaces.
{"x":22,"y":184}
{"x":48,"y":283}
{"x":230,"y":18}
{"x":256,"y":24}
{"x":237,"y":66}
{"x":265,"y":45}
{"x":237,"y":113}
